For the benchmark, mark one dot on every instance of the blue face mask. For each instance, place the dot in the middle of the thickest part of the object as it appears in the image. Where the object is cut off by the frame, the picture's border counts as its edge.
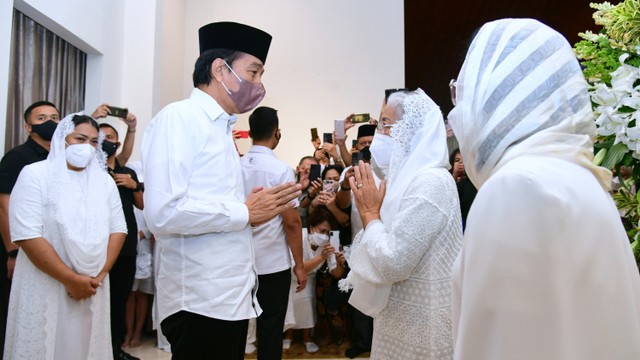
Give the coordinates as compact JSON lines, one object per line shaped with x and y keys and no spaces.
{"x":248,"y":95}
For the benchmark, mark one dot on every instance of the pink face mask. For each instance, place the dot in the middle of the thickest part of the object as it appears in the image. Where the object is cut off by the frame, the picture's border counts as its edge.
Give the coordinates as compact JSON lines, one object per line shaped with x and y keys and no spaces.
{"x":248,"y":96}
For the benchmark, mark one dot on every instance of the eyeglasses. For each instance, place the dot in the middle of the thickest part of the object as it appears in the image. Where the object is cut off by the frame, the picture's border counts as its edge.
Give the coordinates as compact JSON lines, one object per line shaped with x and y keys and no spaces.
{"x":388,"y":92}
{"x":381,"y":126}
{"x":452,"y":88}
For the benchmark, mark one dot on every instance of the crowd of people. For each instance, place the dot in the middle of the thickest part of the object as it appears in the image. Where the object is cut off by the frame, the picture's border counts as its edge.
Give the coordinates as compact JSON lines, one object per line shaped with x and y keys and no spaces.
{"x":507,"y":248}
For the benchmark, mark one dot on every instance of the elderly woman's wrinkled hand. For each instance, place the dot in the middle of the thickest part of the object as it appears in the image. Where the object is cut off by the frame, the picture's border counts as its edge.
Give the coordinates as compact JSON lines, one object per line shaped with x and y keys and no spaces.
{"x":367,"y":195}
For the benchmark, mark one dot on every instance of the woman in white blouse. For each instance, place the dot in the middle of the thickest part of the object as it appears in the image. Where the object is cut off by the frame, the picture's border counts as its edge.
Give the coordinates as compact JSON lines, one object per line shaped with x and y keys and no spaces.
{"x":401,"y":263}
{"x":66,"y":216}
{"x":316,"y":249}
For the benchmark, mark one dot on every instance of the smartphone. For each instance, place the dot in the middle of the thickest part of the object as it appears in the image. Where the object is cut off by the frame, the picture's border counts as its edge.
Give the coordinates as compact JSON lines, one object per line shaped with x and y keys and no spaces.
{"x":360,"y":118}
{"x":354,"y":143}
{"x":339,"y":129}
{"x":314,"y":133}
{"x":334,"y":240}
{"x":314,"y":172}
{"x":327,"y":138}
{"x":356,"y":157}
{"x":244,"y":134}
{"x":327,"y":185}
{"x":118,"y":112}
{"x":366,"y":154}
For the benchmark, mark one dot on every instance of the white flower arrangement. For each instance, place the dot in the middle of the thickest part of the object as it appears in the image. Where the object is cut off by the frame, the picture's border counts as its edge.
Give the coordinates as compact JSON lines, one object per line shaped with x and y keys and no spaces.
{"x":617,"y":107}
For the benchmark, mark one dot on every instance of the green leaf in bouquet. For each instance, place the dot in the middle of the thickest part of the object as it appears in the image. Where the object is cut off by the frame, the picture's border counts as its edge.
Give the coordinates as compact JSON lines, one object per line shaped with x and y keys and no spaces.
{"x":604,"y":144}
{"x":627,"y":160}
{"x":614,"y":155}
{"x":627,"y":110}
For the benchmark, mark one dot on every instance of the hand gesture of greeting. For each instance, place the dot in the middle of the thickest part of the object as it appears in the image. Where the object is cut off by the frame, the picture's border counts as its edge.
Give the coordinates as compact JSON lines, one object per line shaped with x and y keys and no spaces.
{"x":368,"y":197}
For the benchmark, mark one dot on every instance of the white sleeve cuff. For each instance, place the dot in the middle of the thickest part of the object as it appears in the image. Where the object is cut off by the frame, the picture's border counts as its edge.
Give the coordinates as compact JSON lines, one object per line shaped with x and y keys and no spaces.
{"x":239,"y":216}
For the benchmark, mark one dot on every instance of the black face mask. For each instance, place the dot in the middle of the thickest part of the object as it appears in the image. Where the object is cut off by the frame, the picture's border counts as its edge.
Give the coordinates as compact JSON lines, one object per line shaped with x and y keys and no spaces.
{"x":366,"y":154}
{"x":45,"y":130}
{"x":109,"y":147}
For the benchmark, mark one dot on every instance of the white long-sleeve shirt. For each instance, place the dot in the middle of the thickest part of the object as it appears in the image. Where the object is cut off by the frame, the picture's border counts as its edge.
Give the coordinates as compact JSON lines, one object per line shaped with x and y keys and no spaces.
{"x":194,"y":205}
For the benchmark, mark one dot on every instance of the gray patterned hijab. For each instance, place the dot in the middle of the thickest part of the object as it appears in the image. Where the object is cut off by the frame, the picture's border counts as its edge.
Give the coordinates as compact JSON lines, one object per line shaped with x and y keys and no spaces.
{"x":521,"y":92}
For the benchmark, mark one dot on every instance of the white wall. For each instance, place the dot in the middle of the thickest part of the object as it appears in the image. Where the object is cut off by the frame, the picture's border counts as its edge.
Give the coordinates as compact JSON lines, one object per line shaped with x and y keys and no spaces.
{"x":6,"y":14}
{"x":141,"y":55}
{"x":327,"y":59}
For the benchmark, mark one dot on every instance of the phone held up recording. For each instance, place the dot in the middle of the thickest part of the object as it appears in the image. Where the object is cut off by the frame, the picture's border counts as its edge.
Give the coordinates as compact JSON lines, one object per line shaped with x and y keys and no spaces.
{"x":360,"y":118}
{"x":328,"y":186}
{"x":314,"y":172}
{"x":118,"y":112}
{"x":339,"y":129}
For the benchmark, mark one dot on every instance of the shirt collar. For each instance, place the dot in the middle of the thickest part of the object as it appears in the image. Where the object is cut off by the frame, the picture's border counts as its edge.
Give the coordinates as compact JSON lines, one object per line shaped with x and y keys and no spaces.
{"x":260,"y":149}
{"x":212,"y":108}
{"x":36,"y":147}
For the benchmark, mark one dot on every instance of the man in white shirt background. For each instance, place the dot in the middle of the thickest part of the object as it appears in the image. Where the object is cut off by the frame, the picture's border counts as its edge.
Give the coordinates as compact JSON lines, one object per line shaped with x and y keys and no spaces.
{"x":195,"y":203}
{"x":272,"y":240}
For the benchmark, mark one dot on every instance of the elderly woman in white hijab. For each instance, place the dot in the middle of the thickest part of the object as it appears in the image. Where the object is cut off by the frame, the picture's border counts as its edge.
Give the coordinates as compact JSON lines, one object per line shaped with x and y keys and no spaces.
{"x":546,"y":270}
{"x":66,"y":216}
{"x":401,"y":262}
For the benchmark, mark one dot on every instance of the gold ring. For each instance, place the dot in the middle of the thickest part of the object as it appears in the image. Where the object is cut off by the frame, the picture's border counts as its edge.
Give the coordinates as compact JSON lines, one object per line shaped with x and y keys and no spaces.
{"x":358,"y":186}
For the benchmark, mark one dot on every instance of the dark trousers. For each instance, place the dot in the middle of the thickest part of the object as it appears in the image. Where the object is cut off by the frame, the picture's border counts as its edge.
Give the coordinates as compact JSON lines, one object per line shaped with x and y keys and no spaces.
{"x":121,"y":279}
{"x":273,"y":297}
{"x":195,"y":337}
{"x":362,"y":329}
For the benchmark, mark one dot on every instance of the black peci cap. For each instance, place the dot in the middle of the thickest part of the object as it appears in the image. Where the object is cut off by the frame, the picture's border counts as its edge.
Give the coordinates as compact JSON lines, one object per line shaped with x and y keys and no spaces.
{"x":235,"y":36}
{"x":366,"y":130}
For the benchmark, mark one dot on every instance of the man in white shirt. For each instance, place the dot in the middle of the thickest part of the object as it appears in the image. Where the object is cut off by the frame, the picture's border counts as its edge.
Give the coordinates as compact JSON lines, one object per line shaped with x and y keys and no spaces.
{"x":195,"y":203}
{"x":272,"y":240}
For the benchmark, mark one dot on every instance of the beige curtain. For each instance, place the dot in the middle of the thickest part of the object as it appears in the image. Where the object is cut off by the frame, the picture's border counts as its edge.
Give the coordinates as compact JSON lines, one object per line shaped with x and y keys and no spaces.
{"x":43,"y":67}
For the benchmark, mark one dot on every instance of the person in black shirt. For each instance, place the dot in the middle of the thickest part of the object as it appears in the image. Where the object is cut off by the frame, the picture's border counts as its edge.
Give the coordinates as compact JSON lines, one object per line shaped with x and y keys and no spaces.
{"x":41,"y":119}
{"x":466,"y":190}
{"x":123,"y":271}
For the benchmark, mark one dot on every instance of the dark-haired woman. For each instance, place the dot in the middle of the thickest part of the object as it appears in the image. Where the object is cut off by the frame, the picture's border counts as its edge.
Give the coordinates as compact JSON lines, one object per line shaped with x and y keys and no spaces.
{"x":66,"y":216}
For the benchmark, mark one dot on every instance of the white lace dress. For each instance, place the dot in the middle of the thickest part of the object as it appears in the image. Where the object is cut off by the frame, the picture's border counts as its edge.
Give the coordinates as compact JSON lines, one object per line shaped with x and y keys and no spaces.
{"x":417,"y":257}
{"x":43,"y":321}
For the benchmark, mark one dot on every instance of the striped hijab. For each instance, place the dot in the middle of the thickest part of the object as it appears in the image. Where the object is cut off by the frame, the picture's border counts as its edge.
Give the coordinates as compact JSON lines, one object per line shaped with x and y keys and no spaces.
{"x":521,"y":92}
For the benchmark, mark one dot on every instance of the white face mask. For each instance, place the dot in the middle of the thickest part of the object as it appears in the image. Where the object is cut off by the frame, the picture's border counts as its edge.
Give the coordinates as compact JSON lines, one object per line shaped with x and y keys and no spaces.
{"x":381,"y":149}
{"x":79,"y":155}
{"x":318,"y":239}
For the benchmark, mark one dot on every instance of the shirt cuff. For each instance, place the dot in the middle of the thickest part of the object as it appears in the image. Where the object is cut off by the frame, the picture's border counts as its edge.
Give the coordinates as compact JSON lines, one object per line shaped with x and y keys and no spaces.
{"x":374,"y":226}
{"x":239,"y":216}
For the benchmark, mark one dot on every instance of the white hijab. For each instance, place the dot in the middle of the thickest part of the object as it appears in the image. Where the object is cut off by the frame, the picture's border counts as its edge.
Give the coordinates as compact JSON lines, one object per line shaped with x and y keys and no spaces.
{"x":420,"y":142}
{"x":82,"y":214}
{"x":520,"y":92}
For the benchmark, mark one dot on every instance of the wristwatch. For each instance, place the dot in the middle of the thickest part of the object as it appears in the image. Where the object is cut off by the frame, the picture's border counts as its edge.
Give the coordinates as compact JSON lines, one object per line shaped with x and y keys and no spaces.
{"x":139,"y":187}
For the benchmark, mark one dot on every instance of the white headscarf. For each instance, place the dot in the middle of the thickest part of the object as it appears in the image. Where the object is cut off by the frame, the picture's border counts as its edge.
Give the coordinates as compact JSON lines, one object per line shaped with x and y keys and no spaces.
{"x":420,"y":142}
{"x":521,"y":92}
{"x":82,"y":214}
